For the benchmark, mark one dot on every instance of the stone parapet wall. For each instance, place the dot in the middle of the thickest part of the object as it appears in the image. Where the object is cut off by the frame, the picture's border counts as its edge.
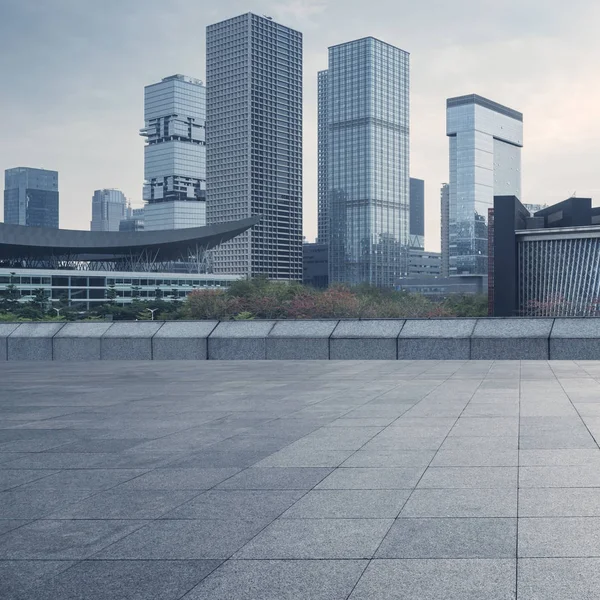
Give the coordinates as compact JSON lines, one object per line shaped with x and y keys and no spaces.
{"x":347,"y":339}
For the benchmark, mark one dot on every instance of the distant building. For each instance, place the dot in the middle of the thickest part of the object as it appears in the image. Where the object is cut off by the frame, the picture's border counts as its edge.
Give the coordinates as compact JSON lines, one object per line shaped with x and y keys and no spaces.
{"x":31,"y":197}
{"x":546,"y":263}
{"x":417,"y":213}
{"x":485,"y":161}
{"x":315,"y":265}
{"x":134,"y":220}
{"x":445,"y":229}
{"x":175,"y":153}
{"x":442,"y":287}
{"x":422,"y":263}
{"x":109,"y":208}
{"x":322,"y":152}
{"x":254,"y":143}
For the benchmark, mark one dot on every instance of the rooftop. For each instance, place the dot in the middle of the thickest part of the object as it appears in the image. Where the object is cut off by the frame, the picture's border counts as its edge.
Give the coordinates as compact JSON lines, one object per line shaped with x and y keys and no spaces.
{"x":316,"y":480}
{"x":486,"y":103}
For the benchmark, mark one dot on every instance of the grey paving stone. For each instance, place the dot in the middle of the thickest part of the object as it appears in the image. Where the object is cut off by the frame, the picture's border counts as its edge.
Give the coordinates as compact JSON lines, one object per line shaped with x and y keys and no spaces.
{"x":348,"y":504}
{"x":554,"y":457}
{"x":86,"y":479}
{"x":559,"y":476}
{"x":390,"y":458}
{"x":32,"y":341}
{"x":307,"y":457}
{"x":181,"y":540}
{"x":481,"y":458}
{"x":280,"y":580}
{"x":450,"y":538}
{"x":317,"y":538}
{"x":276,"y":478}
{"x":372,"y":478}
{"x":471,"y":579}
{"x":469,"y":477}
{"x":63,"y":540}
{"x":249,"y":505}
{"x":129,"y":341}
{"x":20,"y":503}
{"x":7,"y":525}
{"x":181,"y":479}
{"x":471,"y":502}
{"x":14,"y":478}
{"x":16,"y":576}
{"x":559,"y":502}
{"x":126,"y":580}
{"x":182,"y":340}
{"x":559,"y":578}
{"x":486,"y":426}
{"x":559,"y":537}
{"x":79,"y":341}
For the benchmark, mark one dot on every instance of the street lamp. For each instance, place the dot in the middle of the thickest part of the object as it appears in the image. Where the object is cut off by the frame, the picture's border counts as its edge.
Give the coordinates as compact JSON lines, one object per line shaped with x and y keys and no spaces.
{"x":57,"y":311}
{"x":152,"y":310}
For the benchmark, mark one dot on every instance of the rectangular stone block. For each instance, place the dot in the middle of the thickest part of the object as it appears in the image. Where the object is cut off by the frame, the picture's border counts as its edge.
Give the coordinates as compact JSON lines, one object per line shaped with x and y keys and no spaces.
{"x":369,"y":339}
{"x":5,"y":330}
{"x":182,"y":340}
{"x":129,"y":340}
{"x":300,"y":340}
{"x":436,"y":339}
{"x":511,"y":339}
{"x":79,"y":341}
{"x":575,"y":339}
{"x":239,"y":340}
{"x":32,"y":341}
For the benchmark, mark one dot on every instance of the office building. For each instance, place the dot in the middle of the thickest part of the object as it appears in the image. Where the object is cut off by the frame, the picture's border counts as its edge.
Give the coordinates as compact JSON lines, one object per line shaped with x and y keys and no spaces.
{"x":485,"y":161}
{"x":368,"y":162}
{"x":417,"y":213}
{"x":322,"y":150}
{"x":315,"y":270}
{"x":254,"y":144}
{"x":175,"y":153}
{"x":134,"y":220}
{"x":445,"y":229}
{"x":546,"y":264}
{"x":109,"y":208}
{"x":423,"y":263}
{"x":31,"y":197}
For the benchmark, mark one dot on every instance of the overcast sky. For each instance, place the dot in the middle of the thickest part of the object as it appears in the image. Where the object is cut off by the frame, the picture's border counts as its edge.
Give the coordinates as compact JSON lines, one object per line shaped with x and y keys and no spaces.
{"x":72,"y":74}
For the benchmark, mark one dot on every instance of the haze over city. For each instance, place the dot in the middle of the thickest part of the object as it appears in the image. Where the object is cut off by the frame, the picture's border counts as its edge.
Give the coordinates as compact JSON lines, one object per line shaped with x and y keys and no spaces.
{"x":73,"y":74}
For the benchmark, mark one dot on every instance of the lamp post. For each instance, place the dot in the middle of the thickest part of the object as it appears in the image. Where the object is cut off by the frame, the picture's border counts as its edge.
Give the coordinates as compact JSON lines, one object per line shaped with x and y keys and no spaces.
{"x":152,"y":310}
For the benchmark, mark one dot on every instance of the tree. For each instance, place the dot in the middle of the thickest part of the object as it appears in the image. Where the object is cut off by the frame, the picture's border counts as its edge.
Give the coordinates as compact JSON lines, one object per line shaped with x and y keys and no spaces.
{"x":9,"y":296}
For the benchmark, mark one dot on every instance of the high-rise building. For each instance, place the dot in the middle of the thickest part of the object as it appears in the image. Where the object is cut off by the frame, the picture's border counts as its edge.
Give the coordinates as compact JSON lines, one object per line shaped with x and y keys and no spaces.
{"x":175,"y":153}
{"x":254,"y":144}
{"x":134,"y":220}
{"x":417,"y":213}
{"x":485,"y":161}
{"x":322,"y":192}
{"x":445,"y":231}
{"x":31,"y":197}
{"x":368,"y":162}
{"x":109,"y":207}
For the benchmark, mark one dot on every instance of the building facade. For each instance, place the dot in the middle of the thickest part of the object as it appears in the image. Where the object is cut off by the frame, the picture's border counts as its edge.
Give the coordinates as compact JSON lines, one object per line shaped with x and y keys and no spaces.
{"x":445,"y":229}
{"x":134,"y":220}
{"x":315,"y":265}
{"x":368,"y":162}
{"x":109,"y":208}
{"x":31,"y":197}
{"x":254,"y":143}
{"x":485,"y":161}
{"x":322,"y":145}
{"x":422,"y":263}
{"x":417,"y":213}
{"x":175,"y":153}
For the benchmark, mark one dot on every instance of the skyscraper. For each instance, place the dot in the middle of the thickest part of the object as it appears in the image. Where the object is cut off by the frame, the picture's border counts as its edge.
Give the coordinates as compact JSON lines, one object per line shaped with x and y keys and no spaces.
{"x":254,"y":144}
{"x":175,"y":153}
{"x":417,"y":213}
{"x":322,"y":192}
{"x":31,"y":197}
{"x":109,"y":207}
{"x":368,"y":162}
{"x":445,"y":223}
{"x":485,"y":161}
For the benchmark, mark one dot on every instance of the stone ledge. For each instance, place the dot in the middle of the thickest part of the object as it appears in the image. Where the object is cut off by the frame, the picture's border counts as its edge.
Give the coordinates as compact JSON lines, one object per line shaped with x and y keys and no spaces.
{"x":129,"y":340}
{"x":182,"y":340}
{"x":32,"y":341}
{"x":300,"y":340}
{"x":371,"y":339}
{"x":239,"y":340}
{"x":79,"y":341}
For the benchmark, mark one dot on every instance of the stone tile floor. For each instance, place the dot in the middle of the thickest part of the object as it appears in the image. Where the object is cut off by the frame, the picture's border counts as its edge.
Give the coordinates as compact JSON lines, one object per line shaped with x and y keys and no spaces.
{"x":300,"y":481}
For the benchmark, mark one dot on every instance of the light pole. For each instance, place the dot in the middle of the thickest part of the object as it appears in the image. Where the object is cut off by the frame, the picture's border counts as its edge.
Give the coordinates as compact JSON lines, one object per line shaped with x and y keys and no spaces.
{"x":152,"y":310}
{"x":57,"y":311}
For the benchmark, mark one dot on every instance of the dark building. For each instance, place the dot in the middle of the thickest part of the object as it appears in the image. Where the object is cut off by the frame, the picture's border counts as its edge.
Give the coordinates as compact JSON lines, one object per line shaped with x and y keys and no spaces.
{"x":417,"y":213}
{"x":31,"y":197}
{"x":445,"y":228}
{"x":546,"y":263}
{"x":315,"y":265}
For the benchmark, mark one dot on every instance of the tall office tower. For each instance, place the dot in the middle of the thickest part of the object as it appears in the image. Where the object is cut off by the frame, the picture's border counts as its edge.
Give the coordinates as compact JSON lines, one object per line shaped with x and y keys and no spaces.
{"x":254,"y":144}
{"x":109,"y":207}
{"x":485,"y":161}
{"x":417,"y":213}
{"x":445,"y":232}
{"x":322,"y":193}
{"x":31,"y":197}
{"x":368,"y":162}
{"x":175,"y":153}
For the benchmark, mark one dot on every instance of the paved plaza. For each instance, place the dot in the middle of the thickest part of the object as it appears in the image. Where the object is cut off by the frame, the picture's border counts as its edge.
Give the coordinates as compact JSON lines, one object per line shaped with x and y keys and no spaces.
{"x":300,"y":480}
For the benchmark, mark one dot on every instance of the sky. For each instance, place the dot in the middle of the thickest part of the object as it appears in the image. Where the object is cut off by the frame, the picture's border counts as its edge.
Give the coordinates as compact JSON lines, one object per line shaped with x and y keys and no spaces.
{"x":72,"y":74}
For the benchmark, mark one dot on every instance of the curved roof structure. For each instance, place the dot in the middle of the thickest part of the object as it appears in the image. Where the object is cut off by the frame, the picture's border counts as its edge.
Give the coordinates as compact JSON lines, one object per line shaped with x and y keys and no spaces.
{"x":19,"y":241}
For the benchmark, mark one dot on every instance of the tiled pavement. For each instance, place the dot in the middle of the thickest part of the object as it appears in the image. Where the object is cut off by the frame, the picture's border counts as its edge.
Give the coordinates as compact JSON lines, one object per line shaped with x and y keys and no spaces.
{"x":300,"y":480}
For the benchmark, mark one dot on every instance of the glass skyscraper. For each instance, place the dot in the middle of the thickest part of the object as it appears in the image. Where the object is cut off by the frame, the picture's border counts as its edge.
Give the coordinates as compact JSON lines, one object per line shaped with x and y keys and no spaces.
{"x":485,"y":161}
{"x":254,"y":144}
{"x":322,"y":144}
{"x":31,"y":197}
{"x":109,"y":207}
{"x":417,"y":213}
{"x":175,"y":153}
{"x":367,"y":162}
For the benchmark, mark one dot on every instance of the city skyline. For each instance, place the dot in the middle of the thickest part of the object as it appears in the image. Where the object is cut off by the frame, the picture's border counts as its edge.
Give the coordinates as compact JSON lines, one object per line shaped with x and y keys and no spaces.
{"x":83,"y":94}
